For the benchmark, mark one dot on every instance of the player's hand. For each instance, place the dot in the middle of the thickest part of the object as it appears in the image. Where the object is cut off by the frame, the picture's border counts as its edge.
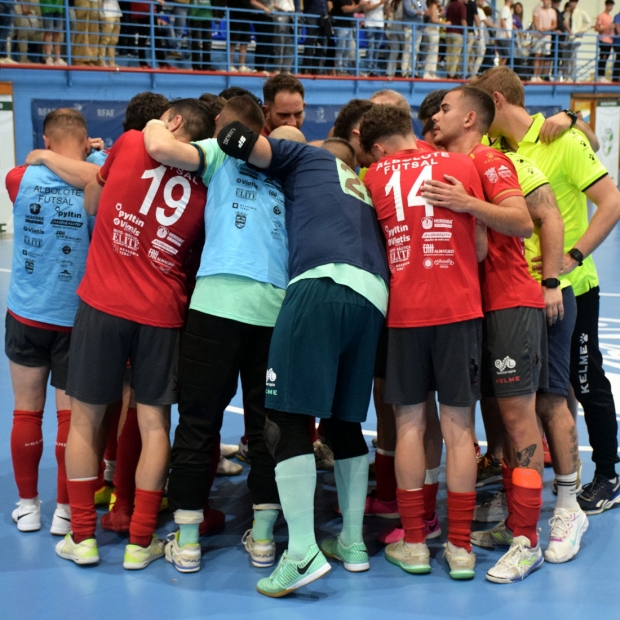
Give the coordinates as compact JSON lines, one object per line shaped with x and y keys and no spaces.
{"x":568,"y":264}
{"x":554,"y":305}
{"x":554,"y":127}
{"x":451,"y":194}
{"x":36,"y":157}
{"x":96,"y":144}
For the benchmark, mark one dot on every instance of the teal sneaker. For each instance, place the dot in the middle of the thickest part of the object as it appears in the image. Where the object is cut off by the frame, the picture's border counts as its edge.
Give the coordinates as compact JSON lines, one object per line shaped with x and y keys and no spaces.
{"x":354,"y":556}
{"x":290,"y":575}
{"x":137,"y":557}
{"x":85,"y":552}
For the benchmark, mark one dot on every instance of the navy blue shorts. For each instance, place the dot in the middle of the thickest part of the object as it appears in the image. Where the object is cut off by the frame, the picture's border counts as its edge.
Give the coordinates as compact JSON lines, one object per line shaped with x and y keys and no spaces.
{"x":559,"y":339}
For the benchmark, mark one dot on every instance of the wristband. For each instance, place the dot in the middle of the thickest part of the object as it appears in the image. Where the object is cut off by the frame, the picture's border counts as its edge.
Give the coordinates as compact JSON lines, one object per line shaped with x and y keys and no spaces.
{"x":550,"y":283}
{"x":576,"y":255}
{"x":572,"y":115}
{"x":237,"y":140}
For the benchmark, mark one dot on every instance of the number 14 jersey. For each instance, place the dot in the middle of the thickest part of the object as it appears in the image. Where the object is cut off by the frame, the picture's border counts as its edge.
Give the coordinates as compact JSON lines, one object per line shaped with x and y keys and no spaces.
{"x":149,"y":218}
{"x":431,"y":250}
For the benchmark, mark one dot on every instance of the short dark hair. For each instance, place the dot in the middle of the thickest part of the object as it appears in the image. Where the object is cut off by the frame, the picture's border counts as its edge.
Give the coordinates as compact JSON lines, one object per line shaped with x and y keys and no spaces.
{"x":142,"y":108}
{"x":334,"y":145}
{"x":237,"y":91}
{"x":246,"y":110}
{"x":349,"y":116}
{"x":213,"y":103}
{"x":65,"y":122}
{"x":482,"y":104}
{"x":281,"y":83}
{"x":197,"y":121}
{"x":429,"y":107}
{"x":383,"y":121}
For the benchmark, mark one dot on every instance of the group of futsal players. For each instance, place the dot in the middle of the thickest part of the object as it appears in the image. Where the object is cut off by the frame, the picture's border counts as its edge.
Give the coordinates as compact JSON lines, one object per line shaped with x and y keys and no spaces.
{"x":211,"y":243}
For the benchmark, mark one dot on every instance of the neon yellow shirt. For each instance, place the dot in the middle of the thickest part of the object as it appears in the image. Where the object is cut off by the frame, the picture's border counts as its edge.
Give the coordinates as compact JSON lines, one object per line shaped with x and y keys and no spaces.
{"x":571,"y":167}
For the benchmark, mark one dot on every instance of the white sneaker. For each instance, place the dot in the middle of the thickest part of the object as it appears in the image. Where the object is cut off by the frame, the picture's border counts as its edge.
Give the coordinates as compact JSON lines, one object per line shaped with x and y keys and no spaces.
{"x":228,"y":468}
{"x":567,"y":528}
{"x":61,"y":522}
{"x":461,"y":562}
{"x":228,"y":450}
{"x":233,"y":69}
{"x":495,"y":538}
{"x":186,"y":559}
{"x":59,"y":62}
{"x":246,"y":69}
{"x":27,"y":515}
{"x":517,"y":563}
{"x":263,"y":554}
{"x":7,"y":61}
{"x":49,"y":60}
{"x":496,"y":509}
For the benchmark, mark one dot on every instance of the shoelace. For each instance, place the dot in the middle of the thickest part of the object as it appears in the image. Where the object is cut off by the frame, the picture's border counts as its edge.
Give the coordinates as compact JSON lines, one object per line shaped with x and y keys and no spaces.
{"x":560,"y":526}
{"x":590,"y":490}
{"x":513,"y":555}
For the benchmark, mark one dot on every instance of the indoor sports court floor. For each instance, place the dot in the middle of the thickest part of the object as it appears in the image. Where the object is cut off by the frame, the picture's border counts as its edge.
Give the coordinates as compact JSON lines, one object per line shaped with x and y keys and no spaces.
{"x":36,"y":584}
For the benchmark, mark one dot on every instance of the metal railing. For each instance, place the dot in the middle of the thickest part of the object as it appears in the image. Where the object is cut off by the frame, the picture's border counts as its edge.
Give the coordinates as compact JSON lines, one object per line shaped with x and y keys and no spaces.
{"x":199,"y":37}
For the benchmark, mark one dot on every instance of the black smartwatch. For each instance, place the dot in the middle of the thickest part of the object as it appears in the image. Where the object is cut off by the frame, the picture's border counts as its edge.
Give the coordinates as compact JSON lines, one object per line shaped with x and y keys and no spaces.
{"x":551,"y":283}
{"x":577,"y":255}
{"x":572,"y":115}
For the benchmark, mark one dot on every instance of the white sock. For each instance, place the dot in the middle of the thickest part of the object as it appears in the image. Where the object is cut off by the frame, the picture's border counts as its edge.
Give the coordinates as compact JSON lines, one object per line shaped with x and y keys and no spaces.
{"x":108,"y":473}
{"x":567,"y":492}
{"x":432,"y":476}
{"x":63,"y":507}
{"x":34,"y":501}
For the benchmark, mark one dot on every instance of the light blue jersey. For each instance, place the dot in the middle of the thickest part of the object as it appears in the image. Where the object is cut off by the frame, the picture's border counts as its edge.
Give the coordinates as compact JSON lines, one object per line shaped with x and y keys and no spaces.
{"x":244,"y":221}
{"x":52,"y":235}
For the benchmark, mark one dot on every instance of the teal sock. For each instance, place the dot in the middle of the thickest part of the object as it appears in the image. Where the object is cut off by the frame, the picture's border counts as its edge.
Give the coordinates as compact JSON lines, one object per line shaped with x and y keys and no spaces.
{"x":352,"y":486}
{"x":189,"y":534}
{"x":296,"y":479}
{"x":264,"y":520}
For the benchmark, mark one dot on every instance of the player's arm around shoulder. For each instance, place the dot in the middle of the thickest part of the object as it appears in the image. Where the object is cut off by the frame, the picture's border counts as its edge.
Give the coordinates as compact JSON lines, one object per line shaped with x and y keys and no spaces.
{"x":163,"y":147}
{"x":72,"y":171}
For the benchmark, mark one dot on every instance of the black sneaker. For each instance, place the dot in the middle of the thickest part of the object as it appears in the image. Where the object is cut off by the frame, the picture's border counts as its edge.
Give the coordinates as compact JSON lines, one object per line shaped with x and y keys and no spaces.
{"x":599,"y":495}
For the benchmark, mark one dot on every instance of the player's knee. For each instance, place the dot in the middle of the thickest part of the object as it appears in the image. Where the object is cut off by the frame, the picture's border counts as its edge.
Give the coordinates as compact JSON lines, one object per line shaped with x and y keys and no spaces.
{"x":345,"y":439}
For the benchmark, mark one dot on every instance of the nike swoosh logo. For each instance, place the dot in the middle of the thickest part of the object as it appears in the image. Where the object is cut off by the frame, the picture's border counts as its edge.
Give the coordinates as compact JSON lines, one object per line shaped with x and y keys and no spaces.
{"x":24,"y":515}
{"x":304,"y":570}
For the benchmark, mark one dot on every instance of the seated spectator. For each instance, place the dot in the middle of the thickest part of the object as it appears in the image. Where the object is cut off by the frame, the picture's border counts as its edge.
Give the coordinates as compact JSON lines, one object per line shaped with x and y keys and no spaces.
{"x":200,"y":26}
{"x":53,"y":16}
{"x":28,"y":29}
{"x":545,"y":22}
{"x":110,"y":29}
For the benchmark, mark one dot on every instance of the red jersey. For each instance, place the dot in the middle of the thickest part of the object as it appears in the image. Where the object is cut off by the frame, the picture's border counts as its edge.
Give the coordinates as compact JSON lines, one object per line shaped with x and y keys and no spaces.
{"x":431,"y":250}
{"x":149,"y":218}
{"x":504,"y":276}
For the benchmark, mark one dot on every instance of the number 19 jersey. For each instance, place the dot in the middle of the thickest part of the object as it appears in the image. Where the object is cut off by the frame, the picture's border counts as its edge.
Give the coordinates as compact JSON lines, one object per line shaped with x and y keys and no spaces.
{"x":149,"y":218}
{"x":431,"y":250}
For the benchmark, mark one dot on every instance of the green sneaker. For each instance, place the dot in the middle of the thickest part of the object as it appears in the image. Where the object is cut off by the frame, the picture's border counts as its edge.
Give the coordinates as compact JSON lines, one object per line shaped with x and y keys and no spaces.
{"x":354,"y":556}
{"x":85,"y":552}
{"x":498,"y":537}
{"x":290,"y":575}
{"x":411,"y":557}
{"x":137,"y":557}
{"x":461,"y":562}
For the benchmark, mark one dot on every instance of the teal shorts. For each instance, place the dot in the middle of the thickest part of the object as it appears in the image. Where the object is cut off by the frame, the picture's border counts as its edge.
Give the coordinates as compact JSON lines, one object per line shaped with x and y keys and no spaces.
{"x":322,"y":353}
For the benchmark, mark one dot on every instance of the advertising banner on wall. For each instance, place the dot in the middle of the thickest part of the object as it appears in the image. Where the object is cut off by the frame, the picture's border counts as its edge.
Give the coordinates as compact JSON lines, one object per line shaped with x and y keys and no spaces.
{"x":7,"y":156}
{"x":607,"y":130}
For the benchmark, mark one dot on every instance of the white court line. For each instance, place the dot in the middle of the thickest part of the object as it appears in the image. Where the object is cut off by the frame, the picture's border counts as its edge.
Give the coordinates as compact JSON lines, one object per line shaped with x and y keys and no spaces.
{"x":5,"y":270}
{"x":609,"y":294}
{"x":239,"y":410}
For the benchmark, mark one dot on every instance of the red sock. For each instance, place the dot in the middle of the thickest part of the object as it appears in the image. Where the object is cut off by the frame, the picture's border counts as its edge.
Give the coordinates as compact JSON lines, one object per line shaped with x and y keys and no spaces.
{"x":411,"y":509}
{"x":111,"y":445}
{"x":127,"y":457}
{"x":460,"y":515}
{"x":430,"y":500}
{"x":83,"y":513}
{"x":26,"y":451}
{"x":527,"y":502}
{"x":144,"y":519}
{"x":385,"y":477}
{"x":64,"y":422}
{"x":507,"y":484}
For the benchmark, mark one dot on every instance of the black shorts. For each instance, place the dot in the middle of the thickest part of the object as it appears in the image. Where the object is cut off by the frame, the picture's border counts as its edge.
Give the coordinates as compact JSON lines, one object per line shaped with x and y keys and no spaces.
{"x":101,"y":344}
{"x":441,"y":357}
{"x":240,"y":27}
{"x":381,"y":357}
{"x":514,"y":352}
{"x":35,"y":347}
{"x":322,"y":353}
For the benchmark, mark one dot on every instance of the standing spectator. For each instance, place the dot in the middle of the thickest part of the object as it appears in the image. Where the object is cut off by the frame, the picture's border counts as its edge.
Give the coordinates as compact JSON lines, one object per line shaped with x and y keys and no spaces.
{"x":263,"y":28}
{"x":615,"y":77}
{"x":342,"y":12}
{"x":140,"y":19}
{"x":178,"y":17}
{"x":200,"y":26}
{"x":430,"y":42}
{"x":85,"y":39}
{"x":457,"y":17}
{"x":473,"y":34}
{"x":239,"y":33}
{"x":488,"y":59}
{"x":110,"y":29}
{"x":315,"y":12}
{"x":394,"y":33}
{"x":28,"y":29}
{"x":563,"y":53}
{"x":545,"y":22}
{"x":52,"y":14}
{"x":518,"y":36}
{"x":413,"y":14}
{"x":374,"y":23}
{"x":285,"y":39}
{"x":605,"y":28}
{"x":483,"y":39}
{"x":503,"y":35}
{"x":577,"y":22}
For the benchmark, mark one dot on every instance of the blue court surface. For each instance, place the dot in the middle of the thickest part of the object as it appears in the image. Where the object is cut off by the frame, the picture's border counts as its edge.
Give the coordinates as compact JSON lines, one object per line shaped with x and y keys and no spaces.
{"x":35,"y":584}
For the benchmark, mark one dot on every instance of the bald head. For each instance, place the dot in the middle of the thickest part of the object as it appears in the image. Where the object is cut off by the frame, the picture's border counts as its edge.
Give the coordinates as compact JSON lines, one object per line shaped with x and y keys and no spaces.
{"x":391,"y":97}
{"x":286,"y":132}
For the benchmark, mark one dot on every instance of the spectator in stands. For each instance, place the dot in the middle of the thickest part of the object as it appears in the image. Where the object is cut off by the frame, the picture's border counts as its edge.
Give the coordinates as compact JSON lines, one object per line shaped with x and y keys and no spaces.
{"x":488,"y":60}
{"x":577,"y":22}
{"x":178,"y":17}
{"x":615,"y":77}
{"x":605,"y":28}
{"x":285,"y":36}
{"x":561,"y":39}
{"x":52,"y":15}
{"x":374,"y":24}
{"x":473,"y":34}
{"x":342,"y":14}
{"x":430,"y":40}
{"x":413,"y":14}
{"x":28,"y":29}
{"x":316,"y":14}
{"x":141,"y":30}
{"x":110,"y":29}
{"x":85,"y":36}
{"x":200,"y":24}
{"x":457,"y":17}
{"x":480,"y":46}
{"x":544,"y":23}
{"x":503,"y":34}
{"x":518,"y":36}
{"x":263,"y":28}
{"x":239,"y":30}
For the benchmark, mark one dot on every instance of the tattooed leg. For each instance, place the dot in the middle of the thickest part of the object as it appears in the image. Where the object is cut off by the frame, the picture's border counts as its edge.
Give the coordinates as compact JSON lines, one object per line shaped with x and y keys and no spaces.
{"x":561,"y":432}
